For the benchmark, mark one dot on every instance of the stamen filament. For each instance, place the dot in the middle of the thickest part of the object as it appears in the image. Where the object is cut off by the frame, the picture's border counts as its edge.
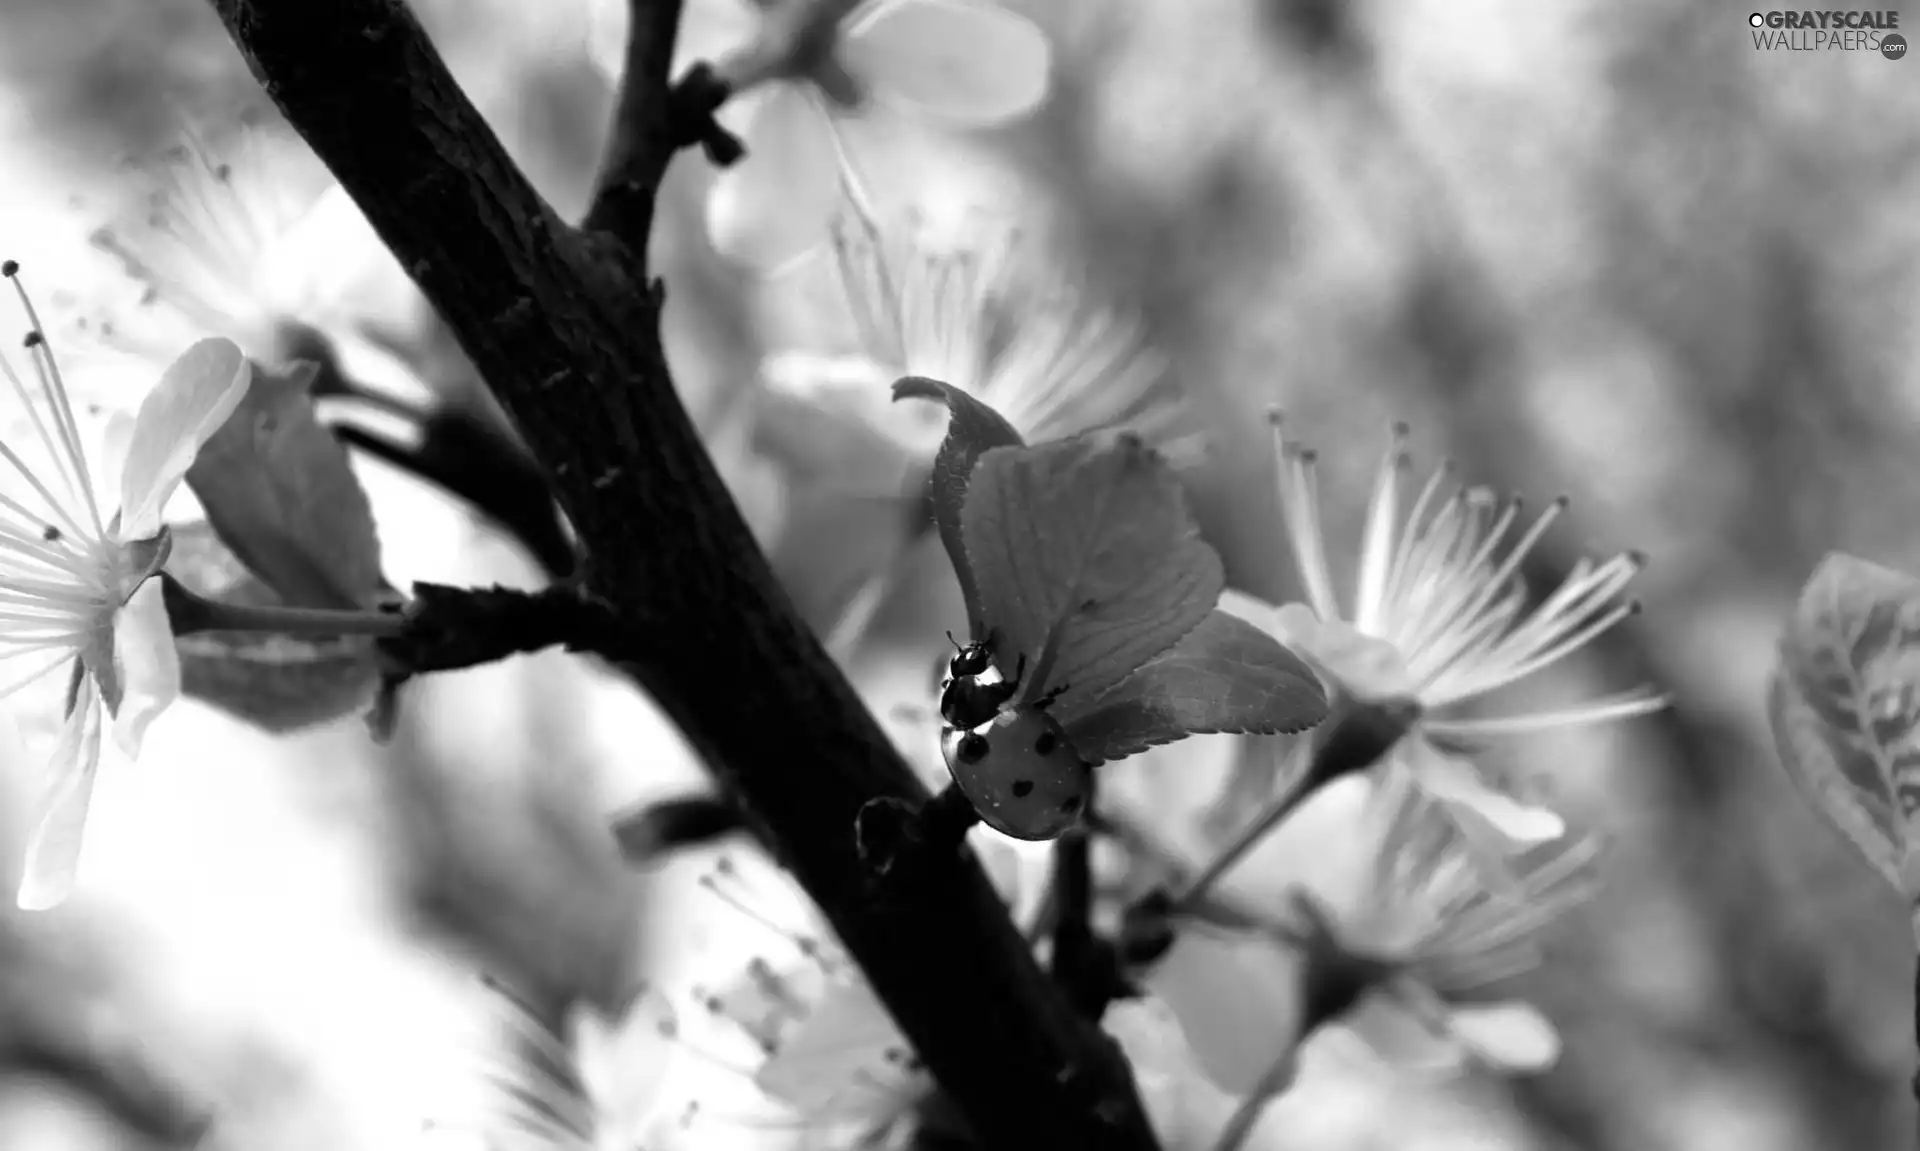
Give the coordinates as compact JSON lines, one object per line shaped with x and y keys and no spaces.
{"x":1376,"y":552}
{"x":1496,"y":674}
{"x":1624,"y":705}
{"x":56,"y":390}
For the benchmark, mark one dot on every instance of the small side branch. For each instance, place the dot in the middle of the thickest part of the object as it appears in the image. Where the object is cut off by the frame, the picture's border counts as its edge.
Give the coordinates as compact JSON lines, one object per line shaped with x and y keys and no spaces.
{"x":647,"y":131}
{"x":447,"y":628}
{"x":1087,"y":966}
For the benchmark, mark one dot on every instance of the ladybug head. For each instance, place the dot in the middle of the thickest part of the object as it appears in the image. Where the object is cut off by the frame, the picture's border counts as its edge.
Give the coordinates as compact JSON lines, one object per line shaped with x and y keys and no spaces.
{"x":969,"y":660}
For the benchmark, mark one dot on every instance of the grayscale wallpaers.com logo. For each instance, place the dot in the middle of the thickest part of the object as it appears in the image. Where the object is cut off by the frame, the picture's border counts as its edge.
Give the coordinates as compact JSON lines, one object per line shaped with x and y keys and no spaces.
{"x":1851,"y":31}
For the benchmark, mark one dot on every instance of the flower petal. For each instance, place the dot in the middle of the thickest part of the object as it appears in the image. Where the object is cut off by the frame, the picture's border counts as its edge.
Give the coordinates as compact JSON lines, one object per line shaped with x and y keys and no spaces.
{"x":1254,"y":610}
{"x":195,"y":396}
{"x":1186,"y":1109}
{"x":1514,"y":1037}
{"x":970,"y":63}
{"x":845,"y":1056}
{"x":1360,"y":664}
{"x":146,"y":663}
{"x":1388,"y":1031}
{"x":1237,"y":997}
{"x":1321,"y":848}
{"x":774,"y":205}
{"x":1481,"y":811}
{"x":1020,"y":871}
{"x":116,"y":444}
{"x":53,"y":851}
{"x":623,"y":1063}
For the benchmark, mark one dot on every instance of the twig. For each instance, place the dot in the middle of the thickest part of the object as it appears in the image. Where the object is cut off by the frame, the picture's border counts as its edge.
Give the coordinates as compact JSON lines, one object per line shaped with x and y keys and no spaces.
{"x":648,"y":130}
{"x":1087,"y":965}
{"x":646,"y":833}
{"x":1272,"y":1082}
{"x":447,"y":628}
{"x":574,"y":356}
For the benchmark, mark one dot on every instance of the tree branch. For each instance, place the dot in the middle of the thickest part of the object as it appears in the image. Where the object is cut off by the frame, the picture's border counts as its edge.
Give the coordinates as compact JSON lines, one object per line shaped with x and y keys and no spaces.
{"x":574,"y":355}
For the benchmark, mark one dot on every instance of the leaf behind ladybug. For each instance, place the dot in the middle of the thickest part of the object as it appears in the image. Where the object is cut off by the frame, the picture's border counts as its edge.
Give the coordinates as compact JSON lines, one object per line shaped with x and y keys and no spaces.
{"x":1088,"y":561}
{"x":973,"y":428}
{"x":1224,"y":676}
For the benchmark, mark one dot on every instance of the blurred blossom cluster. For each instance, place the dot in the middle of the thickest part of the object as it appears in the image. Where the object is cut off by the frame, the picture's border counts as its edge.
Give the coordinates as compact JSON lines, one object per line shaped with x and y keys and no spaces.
{"x":1307,"y":956}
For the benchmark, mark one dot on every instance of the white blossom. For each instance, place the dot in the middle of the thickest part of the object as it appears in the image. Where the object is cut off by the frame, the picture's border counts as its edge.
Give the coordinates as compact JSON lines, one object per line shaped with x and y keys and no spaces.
{"x":79,"y":541}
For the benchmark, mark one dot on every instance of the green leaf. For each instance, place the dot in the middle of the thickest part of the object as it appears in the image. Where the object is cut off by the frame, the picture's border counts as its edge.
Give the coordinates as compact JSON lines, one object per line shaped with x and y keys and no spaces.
{"x":1845,"y":709}
{"x":278,"y":489}
{"x":973,"y":429}
{"x":276,"y":682}
{"x":1088,"y":561}
{"x":1224,"y":676}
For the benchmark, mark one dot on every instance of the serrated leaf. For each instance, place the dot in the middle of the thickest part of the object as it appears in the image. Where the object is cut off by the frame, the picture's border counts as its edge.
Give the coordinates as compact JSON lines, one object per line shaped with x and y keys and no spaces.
{"x":1845,"y":709}
{"x":278,"y":489}
{"x":973,"y":429}
{"x":276,"y":682}
{"x":1224,"y":676}
{"x":1088,"y":561}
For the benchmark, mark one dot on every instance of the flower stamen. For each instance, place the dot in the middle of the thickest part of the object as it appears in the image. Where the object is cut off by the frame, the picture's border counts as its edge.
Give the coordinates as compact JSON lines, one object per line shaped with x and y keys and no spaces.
{"x":1377,"y":552}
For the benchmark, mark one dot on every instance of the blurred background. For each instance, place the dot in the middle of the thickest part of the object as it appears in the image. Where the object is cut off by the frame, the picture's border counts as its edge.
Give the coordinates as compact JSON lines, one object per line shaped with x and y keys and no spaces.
{"x":1607,"y":250}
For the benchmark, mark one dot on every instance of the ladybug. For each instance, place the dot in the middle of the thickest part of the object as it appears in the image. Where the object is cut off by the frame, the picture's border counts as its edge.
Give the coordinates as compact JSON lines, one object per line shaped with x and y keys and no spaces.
{"x":1020,"y":772}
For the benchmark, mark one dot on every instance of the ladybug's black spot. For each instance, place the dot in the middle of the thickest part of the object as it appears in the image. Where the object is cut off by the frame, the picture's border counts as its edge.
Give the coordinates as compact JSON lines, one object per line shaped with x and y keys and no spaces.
{"x":1022,"y":788}
{"x":50,"y":533}
{"x":973,"y":747}
{"x":1070,"y":805}
{"x":1046,"y":744}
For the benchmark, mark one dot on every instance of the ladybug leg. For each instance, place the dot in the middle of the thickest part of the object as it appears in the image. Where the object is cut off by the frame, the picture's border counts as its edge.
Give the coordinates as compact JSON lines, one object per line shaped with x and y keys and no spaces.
{"x":1046,"y":701}
{"x":1019,"y":672}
